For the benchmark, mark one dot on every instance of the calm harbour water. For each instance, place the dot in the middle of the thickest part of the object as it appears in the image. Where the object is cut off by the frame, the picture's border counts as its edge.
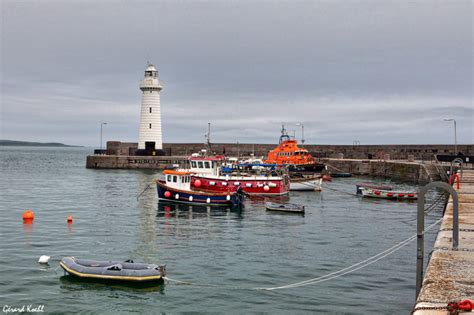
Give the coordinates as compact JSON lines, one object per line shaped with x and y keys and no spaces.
{"x":233,"y":249}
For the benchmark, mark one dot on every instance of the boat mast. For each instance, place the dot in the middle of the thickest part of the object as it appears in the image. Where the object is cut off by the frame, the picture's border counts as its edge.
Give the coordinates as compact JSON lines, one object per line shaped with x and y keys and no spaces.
{"x":208,"y":138}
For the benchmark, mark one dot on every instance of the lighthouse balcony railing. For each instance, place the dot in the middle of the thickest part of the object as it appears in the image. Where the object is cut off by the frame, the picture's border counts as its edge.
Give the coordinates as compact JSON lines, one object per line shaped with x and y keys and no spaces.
{"x":150,"y":85}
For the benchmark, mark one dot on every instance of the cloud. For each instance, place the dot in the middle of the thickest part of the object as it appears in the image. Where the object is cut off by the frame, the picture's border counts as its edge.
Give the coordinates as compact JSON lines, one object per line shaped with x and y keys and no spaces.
{"x":377,"y":72}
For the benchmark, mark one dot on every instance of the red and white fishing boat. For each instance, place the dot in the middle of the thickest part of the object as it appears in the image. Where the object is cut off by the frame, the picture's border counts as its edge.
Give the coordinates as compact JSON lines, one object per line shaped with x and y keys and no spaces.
{"x":208,"y":175}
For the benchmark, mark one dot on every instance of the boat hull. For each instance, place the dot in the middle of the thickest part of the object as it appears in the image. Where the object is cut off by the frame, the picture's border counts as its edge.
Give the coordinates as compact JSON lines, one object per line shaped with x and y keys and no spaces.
{"x":306,"y":168}
{"x":112,"y":270}
{"x":169,"y":194}
{"x":281,"y":207}
{"x":257,"y":185}
{"x":303,"y":184}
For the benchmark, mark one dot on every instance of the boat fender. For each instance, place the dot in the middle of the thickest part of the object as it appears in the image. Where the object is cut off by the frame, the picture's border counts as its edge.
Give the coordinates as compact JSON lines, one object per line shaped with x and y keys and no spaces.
{"x":212,"y":183}
{"x":272,"y":185}
{"x":376,"y":192}
{"x":224,"y":183}
{"x":266,"y":188}
{"x":176,"y":196}
{"x":401,"y":195}
{"x":389,"y":194}
{"x":411,"y":195}
{"x":190,"y":198}
{"x":236,"y":183}
{"x":248,"y":185}
{"x":208,"y":200}
{"x":228,"y":197}
{"x":44,"y":259}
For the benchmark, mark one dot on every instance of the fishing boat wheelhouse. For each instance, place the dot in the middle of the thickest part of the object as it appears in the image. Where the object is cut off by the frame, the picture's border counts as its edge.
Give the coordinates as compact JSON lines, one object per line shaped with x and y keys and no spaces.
{"x":208,"y":174}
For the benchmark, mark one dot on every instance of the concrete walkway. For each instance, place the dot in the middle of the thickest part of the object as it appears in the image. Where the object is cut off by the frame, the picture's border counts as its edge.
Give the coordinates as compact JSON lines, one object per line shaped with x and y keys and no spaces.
{"x":450,"y":274}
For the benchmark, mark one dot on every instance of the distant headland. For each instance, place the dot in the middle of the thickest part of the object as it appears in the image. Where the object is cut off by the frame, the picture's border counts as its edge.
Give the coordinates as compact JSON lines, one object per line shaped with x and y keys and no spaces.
{"x":33,"y":144}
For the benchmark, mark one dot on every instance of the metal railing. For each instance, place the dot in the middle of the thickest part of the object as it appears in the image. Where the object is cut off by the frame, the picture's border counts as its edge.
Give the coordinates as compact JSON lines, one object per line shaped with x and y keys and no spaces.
{"x":420,"y":226}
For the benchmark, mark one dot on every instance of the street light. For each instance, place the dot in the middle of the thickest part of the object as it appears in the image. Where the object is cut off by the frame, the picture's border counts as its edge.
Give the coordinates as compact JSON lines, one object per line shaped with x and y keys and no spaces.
{"x":302,"y":133}
{"x":455,"y":136}
{"x":101,"y":125}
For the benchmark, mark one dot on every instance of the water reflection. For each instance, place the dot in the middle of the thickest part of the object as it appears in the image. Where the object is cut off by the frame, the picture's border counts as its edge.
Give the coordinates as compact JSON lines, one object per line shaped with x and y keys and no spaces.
{"x":178,"y":210}
{"x":147,"y":226}
{"x":71,"y":283}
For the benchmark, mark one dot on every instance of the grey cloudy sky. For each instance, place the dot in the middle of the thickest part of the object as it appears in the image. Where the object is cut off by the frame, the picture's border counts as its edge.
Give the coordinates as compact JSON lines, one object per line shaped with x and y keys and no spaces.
{"x":373,"y":71}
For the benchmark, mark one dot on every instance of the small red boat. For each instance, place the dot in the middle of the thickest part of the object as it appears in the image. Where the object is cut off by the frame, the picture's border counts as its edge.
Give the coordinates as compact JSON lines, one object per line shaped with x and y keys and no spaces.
{"x":388,"y":194}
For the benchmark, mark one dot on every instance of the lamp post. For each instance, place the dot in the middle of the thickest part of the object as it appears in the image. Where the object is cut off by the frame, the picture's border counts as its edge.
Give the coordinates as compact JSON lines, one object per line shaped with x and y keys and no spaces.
{"x":302,"y":133}
{"x":455,"y":135}
{"x":101,"y":125}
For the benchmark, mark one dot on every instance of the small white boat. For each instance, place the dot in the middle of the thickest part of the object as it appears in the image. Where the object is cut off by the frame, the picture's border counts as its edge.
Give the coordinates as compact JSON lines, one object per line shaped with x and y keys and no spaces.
{"x":389,"y":194}
{"x":284,"y":207}
{"x":306,"y":183}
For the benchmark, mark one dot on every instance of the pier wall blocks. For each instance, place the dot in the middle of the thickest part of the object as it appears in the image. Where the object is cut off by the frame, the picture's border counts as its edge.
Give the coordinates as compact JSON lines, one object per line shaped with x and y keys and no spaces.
{"x":386,"y":152}
{"x":396,"y":170}
{"x":132,"y":162}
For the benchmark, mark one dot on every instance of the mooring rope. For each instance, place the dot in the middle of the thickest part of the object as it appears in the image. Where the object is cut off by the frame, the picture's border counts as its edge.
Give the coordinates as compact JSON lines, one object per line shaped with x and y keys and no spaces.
{"x":146,"y":188}
{"x":333,"y":275}
{"x":337,"y":190}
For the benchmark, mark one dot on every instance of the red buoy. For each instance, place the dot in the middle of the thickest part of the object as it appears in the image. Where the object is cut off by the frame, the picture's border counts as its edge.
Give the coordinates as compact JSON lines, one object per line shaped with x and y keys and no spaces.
{"x":266,"y":188}
{"x":411,"y":195}
{"x":389,"y":194}
{"x":197,"y":183}
{"x":28,"y":217}
{"x":377,"y":192}
{"x":69,"y":219}
{"x":401,"y":195}
{"x":167,"y":194}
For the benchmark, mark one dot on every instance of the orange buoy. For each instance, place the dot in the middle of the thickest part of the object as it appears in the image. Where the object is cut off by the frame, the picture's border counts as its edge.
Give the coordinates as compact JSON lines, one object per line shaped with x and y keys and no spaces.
{"x":28,"y":216}
{"x":69,"y":219}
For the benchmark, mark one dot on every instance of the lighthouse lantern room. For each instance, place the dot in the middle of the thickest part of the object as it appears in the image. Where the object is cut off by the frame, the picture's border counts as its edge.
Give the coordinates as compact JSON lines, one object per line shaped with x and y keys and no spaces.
{"x":150,"y":117}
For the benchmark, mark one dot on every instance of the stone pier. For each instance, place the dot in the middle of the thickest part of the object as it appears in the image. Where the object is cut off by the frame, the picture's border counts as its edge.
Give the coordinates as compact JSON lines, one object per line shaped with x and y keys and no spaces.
{"x":450,"y":273}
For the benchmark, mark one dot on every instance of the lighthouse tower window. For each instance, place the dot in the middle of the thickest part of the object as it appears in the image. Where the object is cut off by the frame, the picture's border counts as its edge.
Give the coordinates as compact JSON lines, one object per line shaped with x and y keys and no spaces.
{"x":150,"y":126}
{"x":150,"y":110}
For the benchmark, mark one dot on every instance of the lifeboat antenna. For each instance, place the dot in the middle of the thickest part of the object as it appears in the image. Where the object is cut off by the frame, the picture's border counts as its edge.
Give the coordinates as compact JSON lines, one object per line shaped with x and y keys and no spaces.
{"x":284,"y":135}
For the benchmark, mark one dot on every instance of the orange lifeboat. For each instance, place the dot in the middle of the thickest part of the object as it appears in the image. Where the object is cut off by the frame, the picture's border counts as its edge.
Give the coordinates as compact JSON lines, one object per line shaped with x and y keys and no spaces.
{"x":288,"y":153}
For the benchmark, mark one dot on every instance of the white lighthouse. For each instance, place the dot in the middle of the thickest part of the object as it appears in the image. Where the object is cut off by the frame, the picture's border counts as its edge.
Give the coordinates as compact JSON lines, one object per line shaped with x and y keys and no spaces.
{"x":150,"y":117}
